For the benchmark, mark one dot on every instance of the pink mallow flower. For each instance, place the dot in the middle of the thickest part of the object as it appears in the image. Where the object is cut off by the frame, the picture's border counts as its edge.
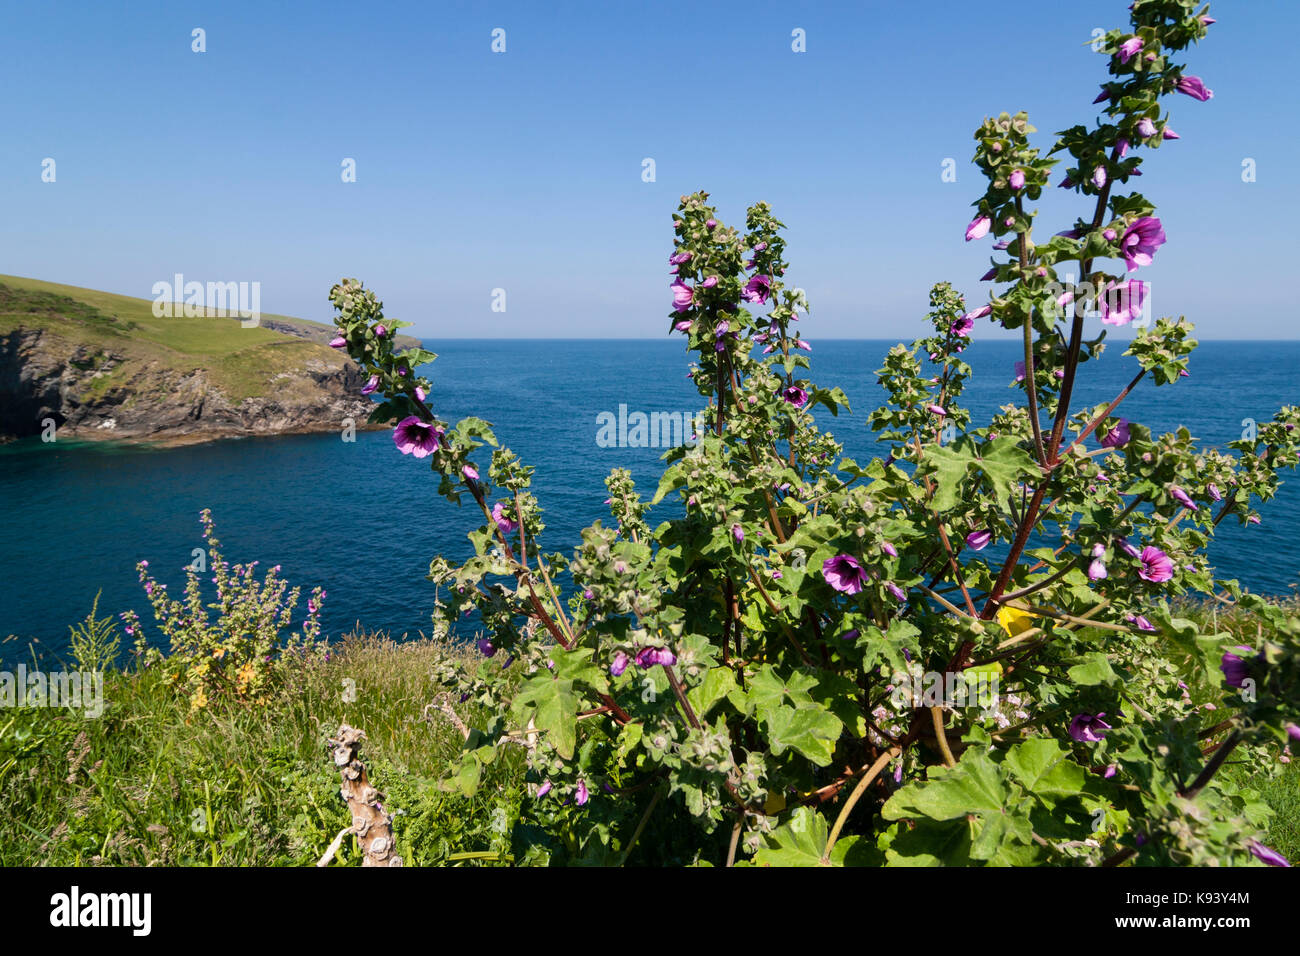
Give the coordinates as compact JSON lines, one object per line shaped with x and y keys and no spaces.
{"x":1194,"y":87}
{"x":1142,"y":238}
{"x":1128,"y":48}
{"x":415,"y":437}
{"x":1085,"y":728}
{"x":1156,"y":566}
{"x":502,"y":519}
{"x":682,"y":295}
{"x":844,"y":573}
{"x":978,"y":228}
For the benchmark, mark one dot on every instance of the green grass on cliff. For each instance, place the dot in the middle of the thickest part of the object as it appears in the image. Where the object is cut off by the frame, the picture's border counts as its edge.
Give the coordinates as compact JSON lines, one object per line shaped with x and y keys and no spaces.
{"x":150,"y":783}
{"x":242,"y":362}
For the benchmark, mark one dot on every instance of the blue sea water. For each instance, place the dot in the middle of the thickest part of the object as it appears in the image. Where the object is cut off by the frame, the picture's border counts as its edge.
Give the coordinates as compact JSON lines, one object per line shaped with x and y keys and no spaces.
{"x":363,"y":521}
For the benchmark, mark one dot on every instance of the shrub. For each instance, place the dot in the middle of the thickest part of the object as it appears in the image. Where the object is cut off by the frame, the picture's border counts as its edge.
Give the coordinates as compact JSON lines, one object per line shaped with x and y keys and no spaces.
{"x":235,"y":655}
{"x":783,"y":674}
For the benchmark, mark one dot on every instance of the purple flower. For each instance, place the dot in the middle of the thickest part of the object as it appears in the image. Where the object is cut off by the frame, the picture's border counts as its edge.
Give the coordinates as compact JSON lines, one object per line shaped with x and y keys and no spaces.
{"x":710,"y":224}
{"x":1121,"y":302}
{"x":895,"y":590}
{"x":1121,"y":148}
{"x":415,"y":437}
{"x":1017,"y":179}
{"x":620,"y":663}
{"x":710,"y":282}
{"x":1235,"y":670}
{"x":936,"y":410}
{"x":1099,"y":177}
{"x":1087,"y":729}
{"x":962,"y":327}
{"x":1207,"y":20}
{"x":582,"y":796}
{"x":1065,"y":183}
{"x":338,"y":342}
{"x":1267,"y":854}
{"x":371,"y":386}
{"x":679,"y":257}
{"x":1293,"y":731}
{"x":1096,"y":570}
{"x":1020,"y":371}
{"x":796,"y":396}
{"x":1128,"y":48}
{"x":502,"y":519}
{"x":1146,"y":128}
{"x":544,"y":789}
{"x":1156,"y":566}
{"x":1194,"y":87}
{"x":989,"y":275}
{"x":1170,"y":134}
{"x":757,"y":289}
{"x":978,"y":228}
{"x":380,"y":331}
{"x":486,"y":647}
{"x":469,"y":471}
{"x":1104,"y":95}
{"x":1140,"y":622}
{"x":682,"y":295}
{"x":649,"y":657}
{"x":844,"y":573}
{"x":851,"y":635}
{"x":738,"y":533}
{"x":1117,"y":436}
{"x":1128,"y":549}
{"x":1142,"y":238}
{"x":420,"y":393}
{"x":889,"y":549}
{"x":1181,"y":497}
{"x":978,"y":540}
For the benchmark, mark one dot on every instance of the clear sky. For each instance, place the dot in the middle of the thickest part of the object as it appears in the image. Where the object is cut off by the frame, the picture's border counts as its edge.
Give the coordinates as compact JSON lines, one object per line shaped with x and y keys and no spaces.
{"x":523,"y":170}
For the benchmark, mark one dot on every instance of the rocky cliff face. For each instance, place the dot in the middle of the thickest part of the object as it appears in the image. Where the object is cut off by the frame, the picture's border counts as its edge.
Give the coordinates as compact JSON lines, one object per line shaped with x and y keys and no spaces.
{"x":106,"y":395}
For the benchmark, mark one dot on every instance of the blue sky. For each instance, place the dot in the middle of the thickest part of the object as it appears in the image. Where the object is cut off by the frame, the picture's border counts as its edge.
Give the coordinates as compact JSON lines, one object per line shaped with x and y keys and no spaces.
{"x":522,"y":170}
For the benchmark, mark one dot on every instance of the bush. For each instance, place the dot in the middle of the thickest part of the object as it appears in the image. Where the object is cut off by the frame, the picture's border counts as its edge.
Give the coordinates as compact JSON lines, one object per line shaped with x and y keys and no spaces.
{"x":962,"y":653}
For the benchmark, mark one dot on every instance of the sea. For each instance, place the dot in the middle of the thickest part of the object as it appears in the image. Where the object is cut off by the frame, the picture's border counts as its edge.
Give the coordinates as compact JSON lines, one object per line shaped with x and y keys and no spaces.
{"x":363,"y":521}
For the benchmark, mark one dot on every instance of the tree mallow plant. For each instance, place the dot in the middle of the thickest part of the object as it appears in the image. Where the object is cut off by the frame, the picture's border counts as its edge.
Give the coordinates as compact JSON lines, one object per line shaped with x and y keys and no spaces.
{"x":774,"y":674}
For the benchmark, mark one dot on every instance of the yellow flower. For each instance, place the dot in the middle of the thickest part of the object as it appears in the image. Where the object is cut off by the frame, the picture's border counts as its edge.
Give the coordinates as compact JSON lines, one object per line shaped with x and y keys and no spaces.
{"x":199,"y":700}
{"x":1015,"y":621}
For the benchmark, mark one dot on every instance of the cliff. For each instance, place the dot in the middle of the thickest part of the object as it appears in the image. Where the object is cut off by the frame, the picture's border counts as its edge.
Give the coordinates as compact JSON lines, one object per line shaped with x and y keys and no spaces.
{"x":104,"y":367}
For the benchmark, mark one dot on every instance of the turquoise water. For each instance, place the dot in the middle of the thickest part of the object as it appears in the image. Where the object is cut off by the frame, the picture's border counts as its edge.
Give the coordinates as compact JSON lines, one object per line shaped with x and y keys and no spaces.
{"x":363,"y":521}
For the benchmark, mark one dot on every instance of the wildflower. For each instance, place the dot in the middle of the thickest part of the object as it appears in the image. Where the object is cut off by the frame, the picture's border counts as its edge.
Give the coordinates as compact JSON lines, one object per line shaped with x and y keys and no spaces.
{"x":796,"y":396}
{"x":619,"y":664}
{"x":1128,"y":48}
{"x":978,"y":540}
{"x":371,"y":386}
{"x":1156,"y":566}
{"x":757,"y":289}
{"x":486,"y":647}
{"x":338,"y":342}
{"x":1182,"y":498}
{"x":1117,"y":436}
{"x":1234,"y":667}
{"x":648,"y":657}
{"x":978,"y":228}
{"x":1142,"y":238}
{"x":1017,"y":179}
{"x":1194,"y":87}
{"x":889,"y":549}
{"x":415,"y":437}
{"x":895,"y":590}
{"x":738,"y":533}
{"x":544,"y":789}
{"x":502,"y":519}
{"x":470,"y":472}
{"x":682,"y":295}
{"x":582,"y":796}
{"x":1086,"y":728}
{"x":1121,"y":302}
{"x":1146,"y":129}
{"x":844,"y":573}
{"x":1267,"y":854}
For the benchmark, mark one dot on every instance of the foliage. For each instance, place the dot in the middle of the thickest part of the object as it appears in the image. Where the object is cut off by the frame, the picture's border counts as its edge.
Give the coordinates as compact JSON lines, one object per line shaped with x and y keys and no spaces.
{"x":779,"y":676}
{"x":238,"y":654}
